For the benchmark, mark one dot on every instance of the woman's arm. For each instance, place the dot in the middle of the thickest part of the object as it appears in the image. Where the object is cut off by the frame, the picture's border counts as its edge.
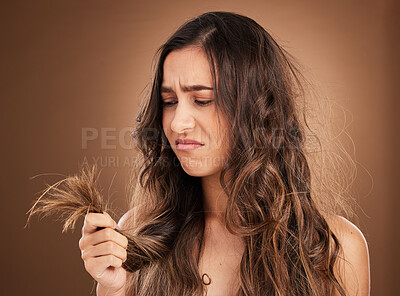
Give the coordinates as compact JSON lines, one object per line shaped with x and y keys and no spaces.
{"x":101,"y":291}
{"x":352,"y":266}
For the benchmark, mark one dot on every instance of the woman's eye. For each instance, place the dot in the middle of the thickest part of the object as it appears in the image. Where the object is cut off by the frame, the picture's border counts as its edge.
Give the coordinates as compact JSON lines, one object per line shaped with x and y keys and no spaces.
{"x":203,"y":103}
{"x":198,"y":102}
{"x":170,"y":103}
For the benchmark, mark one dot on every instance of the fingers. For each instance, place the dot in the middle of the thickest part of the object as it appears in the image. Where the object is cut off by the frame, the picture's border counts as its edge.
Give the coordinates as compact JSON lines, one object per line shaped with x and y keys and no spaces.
{"x":105,"y":249}
{"x":98,"y":265}
{"x":103,"y":235}
{"x":94,"y":220}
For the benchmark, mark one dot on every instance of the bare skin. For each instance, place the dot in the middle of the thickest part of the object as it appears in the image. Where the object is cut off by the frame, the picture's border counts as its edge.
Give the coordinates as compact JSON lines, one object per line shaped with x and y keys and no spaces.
{"x":223,"y":251}
{"x":189,"y":113}
{"x":103,"y":252}
{"x":220,"y":259}
{"x":184,"y":117}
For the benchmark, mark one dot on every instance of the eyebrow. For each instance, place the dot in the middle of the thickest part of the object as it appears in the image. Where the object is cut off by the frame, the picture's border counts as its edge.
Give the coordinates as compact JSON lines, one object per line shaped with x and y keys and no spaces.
{"x":188,"y":88}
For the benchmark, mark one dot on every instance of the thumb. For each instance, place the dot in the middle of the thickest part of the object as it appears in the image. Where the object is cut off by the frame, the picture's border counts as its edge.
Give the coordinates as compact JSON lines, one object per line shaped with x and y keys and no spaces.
{"x":115,"y":226}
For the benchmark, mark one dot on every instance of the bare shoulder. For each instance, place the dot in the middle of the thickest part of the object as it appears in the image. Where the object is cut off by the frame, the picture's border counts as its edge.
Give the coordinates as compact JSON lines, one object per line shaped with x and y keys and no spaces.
{"x":345,"y":229}
{"x":352,"y":265}
{"x":127,"y":220}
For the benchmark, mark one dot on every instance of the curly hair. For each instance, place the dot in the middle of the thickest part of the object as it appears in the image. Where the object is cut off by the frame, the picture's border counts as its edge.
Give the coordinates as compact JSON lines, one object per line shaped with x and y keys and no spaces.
{"x":290,"y":249}
{"x":273,"y":203}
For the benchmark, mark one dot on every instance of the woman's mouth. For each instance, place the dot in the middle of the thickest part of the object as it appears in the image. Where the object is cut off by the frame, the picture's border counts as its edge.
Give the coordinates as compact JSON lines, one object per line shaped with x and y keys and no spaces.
{"x":187,"y":144}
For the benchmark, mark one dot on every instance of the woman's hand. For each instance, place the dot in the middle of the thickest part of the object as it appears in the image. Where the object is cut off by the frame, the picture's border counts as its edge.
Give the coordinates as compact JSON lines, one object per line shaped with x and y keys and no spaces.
{"x":104,"y":251}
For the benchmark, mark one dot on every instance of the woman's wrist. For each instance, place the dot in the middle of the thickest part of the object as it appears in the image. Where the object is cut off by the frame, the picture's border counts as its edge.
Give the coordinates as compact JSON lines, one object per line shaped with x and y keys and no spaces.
{"x":103,"y":291}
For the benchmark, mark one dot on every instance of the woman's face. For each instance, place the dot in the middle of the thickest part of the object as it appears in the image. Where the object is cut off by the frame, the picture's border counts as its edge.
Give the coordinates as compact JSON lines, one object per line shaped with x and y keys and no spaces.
{"x":190,"y":119}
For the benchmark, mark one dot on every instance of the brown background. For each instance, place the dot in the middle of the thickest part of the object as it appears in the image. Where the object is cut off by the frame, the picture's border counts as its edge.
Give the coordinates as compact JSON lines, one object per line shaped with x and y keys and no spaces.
{"x":68,"y":65}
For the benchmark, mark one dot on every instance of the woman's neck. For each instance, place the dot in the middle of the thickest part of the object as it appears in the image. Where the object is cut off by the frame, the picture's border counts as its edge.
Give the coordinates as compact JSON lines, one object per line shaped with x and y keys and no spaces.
{"x":214,"y":198}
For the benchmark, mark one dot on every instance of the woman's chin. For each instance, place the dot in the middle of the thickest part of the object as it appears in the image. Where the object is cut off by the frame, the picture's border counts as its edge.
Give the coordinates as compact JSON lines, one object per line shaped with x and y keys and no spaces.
{"x":198,"y":171}
{"x":194,"y":172}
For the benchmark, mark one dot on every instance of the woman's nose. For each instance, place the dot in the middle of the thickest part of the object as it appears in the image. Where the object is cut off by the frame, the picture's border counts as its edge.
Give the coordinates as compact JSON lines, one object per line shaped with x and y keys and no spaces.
{"x":183,"y":118}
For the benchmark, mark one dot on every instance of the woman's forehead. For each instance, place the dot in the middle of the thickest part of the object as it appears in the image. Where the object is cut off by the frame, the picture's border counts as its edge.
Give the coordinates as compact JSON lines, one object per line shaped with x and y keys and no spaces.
{"x":186,"y":67}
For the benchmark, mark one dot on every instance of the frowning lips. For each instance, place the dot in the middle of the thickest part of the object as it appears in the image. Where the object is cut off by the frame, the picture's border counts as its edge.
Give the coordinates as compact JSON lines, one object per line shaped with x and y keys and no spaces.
{"x":187,"y":141}
{"x":187,"y":144}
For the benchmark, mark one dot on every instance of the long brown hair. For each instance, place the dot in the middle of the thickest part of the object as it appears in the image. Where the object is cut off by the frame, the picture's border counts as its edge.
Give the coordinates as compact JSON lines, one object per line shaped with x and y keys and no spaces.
{"x":290,"y":248}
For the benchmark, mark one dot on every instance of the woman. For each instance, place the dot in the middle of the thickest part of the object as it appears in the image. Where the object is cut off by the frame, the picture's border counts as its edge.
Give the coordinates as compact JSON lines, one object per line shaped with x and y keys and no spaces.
{"x":224,"y":190}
